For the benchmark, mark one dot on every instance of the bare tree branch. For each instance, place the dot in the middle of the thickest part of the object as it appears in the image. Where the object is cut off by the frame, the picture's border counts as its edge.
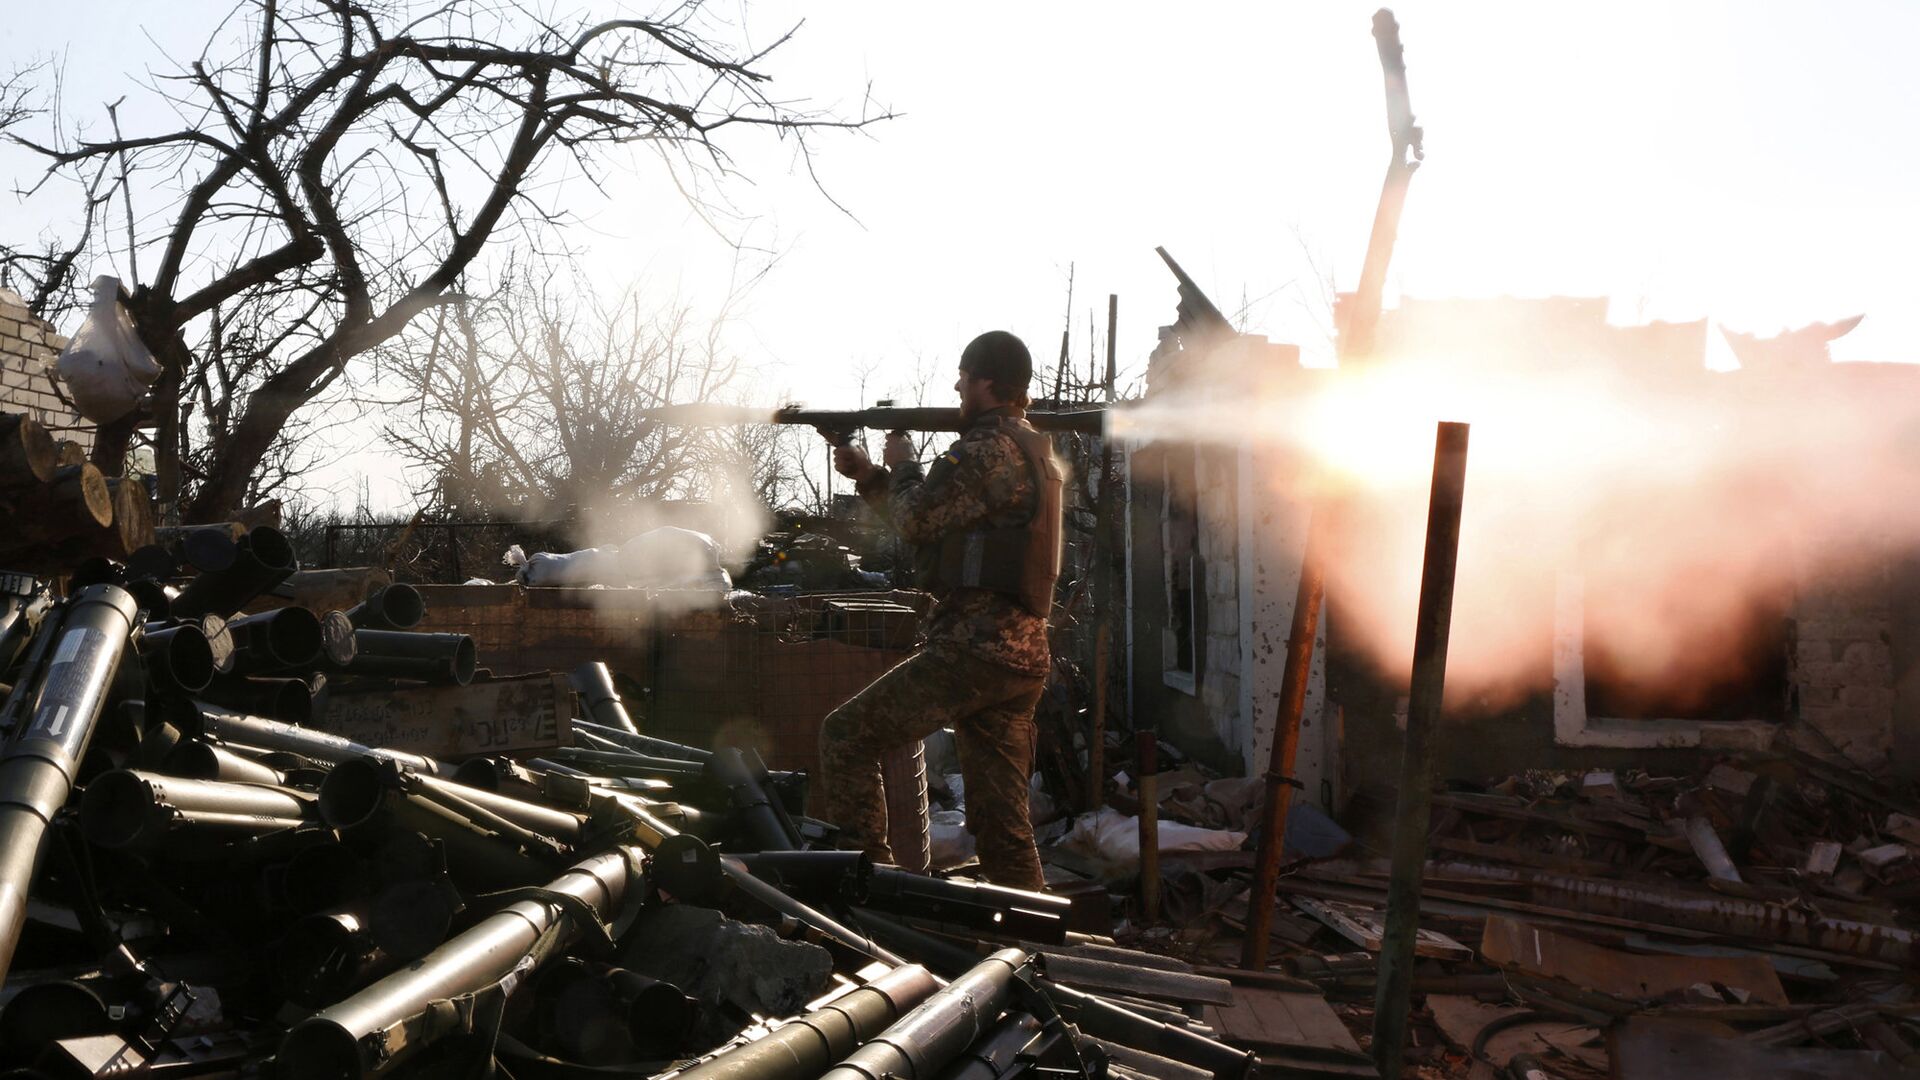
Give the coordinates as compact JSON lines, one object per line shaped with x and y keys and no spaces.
{"x":309,"y":134}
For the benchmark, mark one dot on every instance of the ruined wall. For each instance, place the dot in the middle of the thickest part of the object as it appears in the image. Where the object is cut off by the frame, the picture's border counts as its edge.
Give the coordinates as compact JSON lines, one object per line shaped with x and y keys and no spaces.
{"x":1842,"y":668}
{"x":1841,"y":683}
{"x":1222,"y":715}
{"x":1219,"y":677}
{"x":1154,"y":700}
{"x":28,"y":348}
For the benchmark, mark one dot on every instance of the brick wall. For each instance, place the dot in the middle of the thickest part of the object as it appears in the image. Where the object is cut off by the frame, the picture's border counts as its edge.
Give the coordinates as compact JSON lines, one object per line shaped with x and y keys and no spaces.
{"x":1842,"y":668}
{"x":28,"y":348}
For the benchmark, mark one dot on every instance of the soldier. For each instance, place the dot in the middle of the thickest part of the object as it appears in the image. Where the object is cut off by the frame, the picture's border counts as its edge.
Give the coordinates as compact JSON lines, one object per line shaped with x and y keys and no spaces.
{"x":985,"y":526}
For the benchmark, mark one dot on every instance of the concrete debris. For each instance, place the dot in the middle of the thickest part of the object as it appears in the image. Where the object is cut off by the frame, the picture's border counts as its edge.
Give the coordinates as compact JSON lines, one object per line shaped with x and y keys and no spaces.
{"x":1763,"y":903}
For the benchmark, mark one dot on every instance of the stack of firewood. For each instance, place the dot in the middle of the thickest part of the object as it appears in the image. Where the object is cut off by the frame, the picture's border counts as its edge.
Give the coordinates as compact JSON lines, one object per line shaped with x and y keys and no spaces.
{"x":56,"y":509}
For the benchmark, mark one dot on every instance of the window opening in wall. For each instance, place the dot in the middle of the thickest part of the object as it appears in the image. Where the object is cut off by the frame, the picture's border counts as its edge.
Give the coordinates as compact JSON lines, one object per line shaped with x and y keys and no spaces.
{"x":1738,"y":672}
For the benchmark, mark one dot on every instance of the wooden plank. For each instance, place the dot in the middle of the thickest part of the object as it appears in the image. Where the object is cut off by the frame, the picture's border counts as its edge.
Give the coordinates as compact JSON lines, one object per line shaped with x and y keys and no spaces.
{"x":499,"y":716}
{"x":1459,"y":1019}
{"x":1511,"y":943}
{"x":1462,"y":1019}
{"x":1536,"y":813}
{"x":1508,"y":853}
{"x":1287,"y":1025}
{"x":1366,"y":926}
{"x":1463,"y":905}
{"x":1645,"y":1048}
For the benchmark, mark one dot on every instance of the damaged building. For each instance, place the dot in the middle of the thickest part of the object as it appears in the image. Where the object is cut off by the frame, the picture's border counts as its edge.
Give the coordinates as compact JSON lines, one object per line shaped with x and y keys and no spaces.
{"x":1215,"y":534}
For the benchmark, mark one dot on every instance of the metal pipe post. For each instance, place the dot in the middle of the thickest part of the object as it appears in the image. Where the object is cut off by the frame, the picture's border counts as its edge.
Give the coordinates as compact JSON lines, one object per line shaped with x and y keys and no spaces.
{"x":1278,"y":799}
{"x":1411,"y":820}
{"x":1102,"y":590}
{"x":1147,"y":764}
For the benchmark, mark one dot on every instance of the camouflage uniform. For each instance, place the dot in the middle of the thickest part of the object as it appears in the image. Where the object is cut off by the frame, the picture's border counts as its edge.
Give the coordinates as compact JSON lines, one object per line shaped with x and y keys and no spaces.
{"x":981,"y":672}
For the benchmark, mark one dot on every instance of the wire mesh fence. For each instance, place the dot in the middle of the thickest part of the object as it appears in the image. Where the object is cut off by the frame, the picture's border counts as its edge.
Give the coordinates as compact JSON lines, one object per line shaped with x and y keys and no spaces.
{"x":755,"y":671}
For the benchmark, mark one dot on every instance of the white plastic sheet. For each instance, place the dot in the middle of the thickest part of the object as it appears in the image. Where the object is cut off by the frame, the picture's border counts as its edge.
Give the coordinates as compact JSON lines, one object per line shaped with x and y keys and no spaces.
{"x":1112,"y":840}
{"x":663,"y":558}
{"x":106,"y":366}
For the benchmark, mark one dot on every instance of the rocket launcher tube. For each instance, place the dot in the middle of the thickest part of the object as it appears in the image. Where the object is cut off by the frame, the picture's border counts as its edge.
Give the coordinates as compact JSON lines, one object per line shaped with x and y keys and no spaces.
{"x":782,"y":904}
{"x":233,"y":726}
{"x":807,"y":1046}
{"x":403,"y":654}
{"x":442,"y":994}
{"x":263,"y":560}
{"x":995,"y":1054}
{"x":846,"y":421}
{"x":366,"y":801}
{"x":644,"y":744}
{"x":601,"y":701}
{"x":977,"y":905}
{"x":126,"y":808}
{"x":60,"y":697}
{"x":941,"y":1029}
{"x":392,"y":607}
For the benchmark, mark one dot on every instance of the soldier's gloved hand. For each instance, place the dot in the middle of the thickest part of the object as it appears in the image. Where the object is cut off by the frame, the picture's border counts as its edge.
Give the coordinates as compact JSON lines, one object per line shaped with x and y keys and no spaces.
{"x":898,"y":451}
{"x":852,"y":462}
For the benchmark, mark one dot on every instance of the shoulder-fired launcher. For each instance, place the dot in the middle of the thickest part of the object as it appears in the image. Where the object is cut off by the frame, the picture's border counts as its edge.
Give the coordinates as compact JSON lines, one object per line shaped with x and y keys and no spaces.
{"x":839,"y":425}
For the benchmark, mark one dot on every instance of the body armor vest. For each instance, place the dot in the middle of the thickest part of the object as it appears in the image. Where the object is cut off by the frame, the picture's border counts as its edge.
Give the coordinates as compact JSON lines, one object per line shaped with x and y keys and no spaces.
{"x":1021,"y":560}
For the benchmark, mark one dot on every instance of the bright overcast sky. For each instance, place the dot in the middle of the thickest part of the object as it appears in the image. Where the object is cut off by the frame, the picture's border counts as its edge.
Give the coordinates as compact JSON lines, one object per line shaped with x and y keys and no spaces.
{"x":1746,"y":162}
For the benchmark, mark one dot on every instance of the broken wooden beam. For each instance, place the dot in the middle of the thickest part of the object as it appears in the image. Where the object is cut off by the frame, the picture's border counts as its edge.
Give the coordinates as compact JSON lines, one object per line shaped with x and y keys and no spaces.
{"x":1525,"y":947}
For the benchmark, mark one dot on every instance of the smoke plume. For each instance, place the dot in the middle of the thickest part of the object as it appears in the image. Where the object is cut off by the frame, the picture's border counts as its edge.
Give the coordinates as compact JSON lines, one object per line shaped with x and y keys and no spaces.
{"x":1686,"y":508}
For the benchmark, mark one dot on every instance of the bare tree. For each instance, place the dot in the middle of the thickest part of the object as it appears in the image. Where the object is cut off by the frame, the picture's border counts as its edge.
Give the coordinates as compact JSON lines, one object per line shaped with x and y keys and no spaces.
{"x":339,"y":165}
{"x":535,"y":399}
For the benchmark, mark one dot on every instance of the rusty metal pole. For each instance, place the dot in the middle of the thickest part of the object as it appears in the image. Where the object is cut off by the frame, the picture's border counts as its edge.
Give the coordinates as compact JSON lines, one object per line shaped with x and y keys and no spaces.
{"x":1102,"y":590}
{"x":1146,"y":761}
{"x":1286,"y":747}
{"x":1411,"y":819}
{"x":1359,"y":320}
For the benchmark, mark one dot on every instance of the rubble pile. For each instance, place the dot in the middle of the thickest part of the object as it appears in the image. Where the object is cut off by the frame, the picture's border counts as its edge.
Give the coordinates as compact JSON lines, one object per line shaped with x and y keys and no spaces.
{"x":239,"y":836}
{"x":1759,"y":916}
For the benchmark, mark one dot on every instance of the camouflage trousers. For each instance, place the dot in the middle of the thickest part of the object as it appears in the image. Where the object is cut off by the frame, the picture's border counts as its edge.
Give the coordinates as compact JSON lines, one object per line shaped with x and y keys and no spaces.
{"x":990,"y":709}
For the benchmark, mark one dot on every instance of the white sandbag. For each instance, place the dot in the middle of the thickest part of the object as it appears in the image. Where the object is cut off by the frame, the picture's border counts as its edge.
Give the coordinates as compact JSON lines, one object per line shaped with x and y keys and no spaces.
{"x":1112,"y":840}
{"x":106,"y":366}
{"x":588,"y":566}
{"x":671,"y":558}
{"x":666,"y":558}
{"x":1041,"y":807}
{"x":949,"y":841}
